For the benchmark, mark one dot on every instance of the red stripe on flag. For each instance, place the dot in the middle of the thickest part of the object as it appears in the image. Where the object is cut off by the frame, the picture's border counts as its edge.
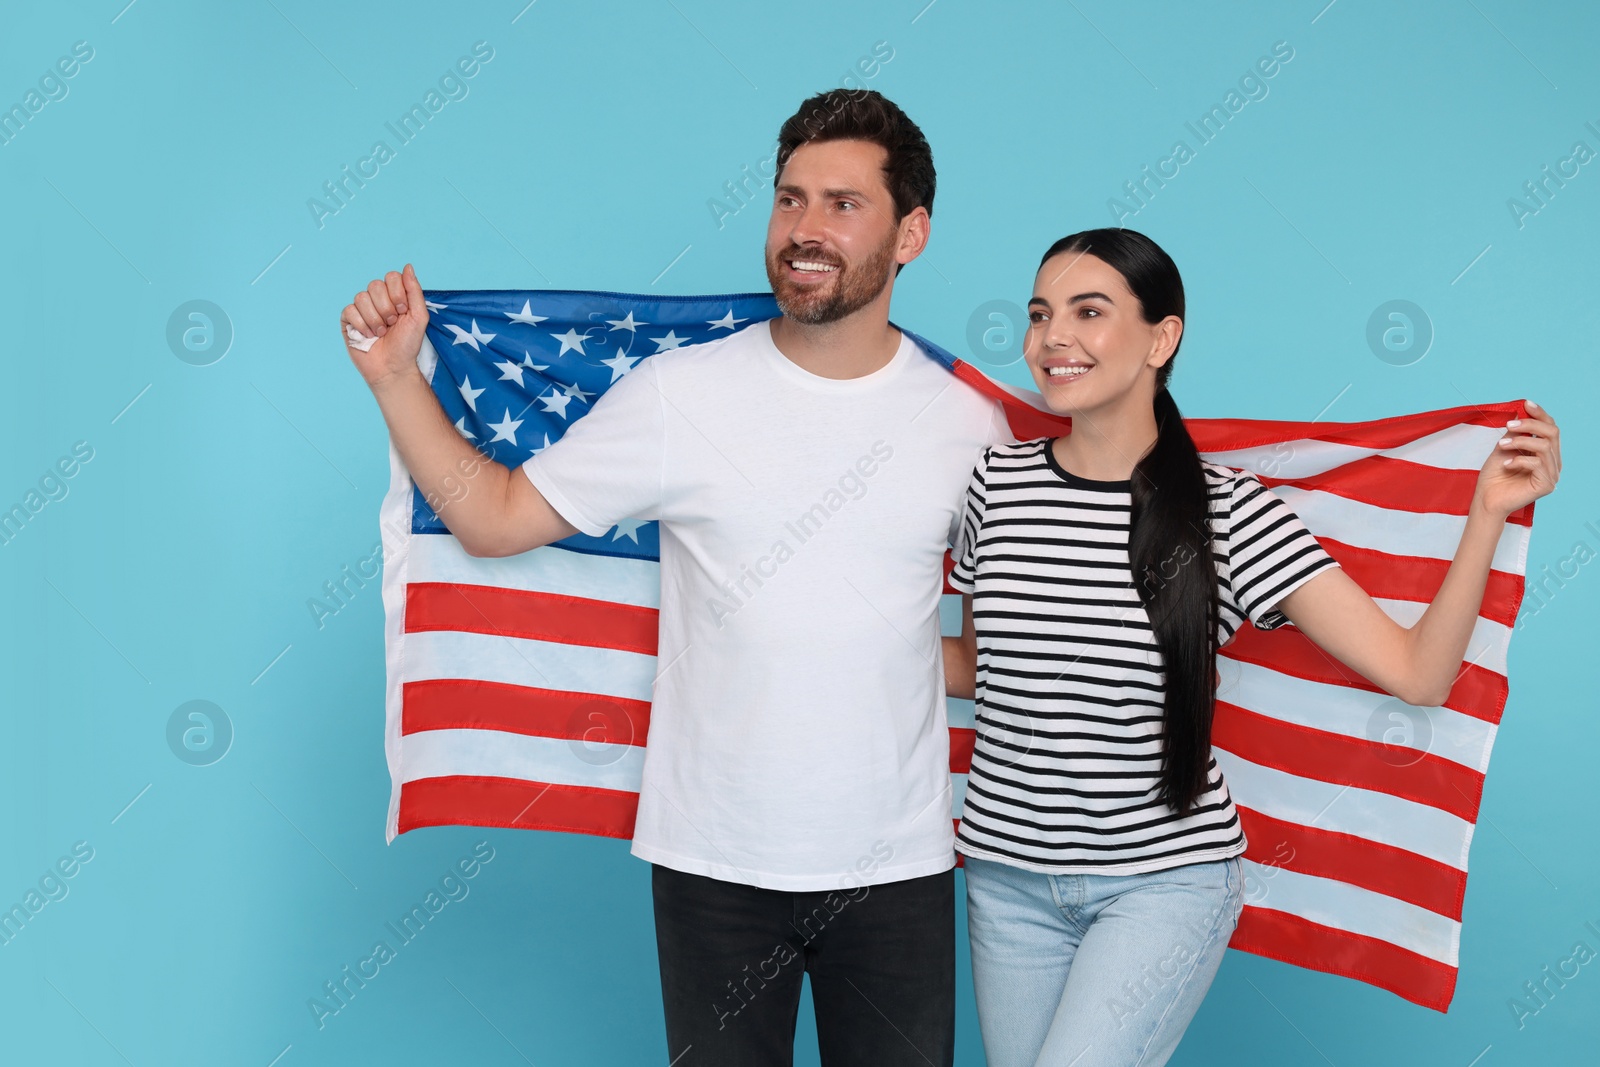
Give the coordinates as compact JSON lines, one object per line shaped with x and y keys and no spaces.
{"x":469,"y":704}
{"x":570,"y":620}
{"x":961,"y":741}
{"x":473,"y":800}
{"x":1385,"y":869}
{"x":1353,"y":761}
{"x":1236,"y":435}
{"x":1025,"y":420}
{"x":1281,"y":936}
{"x":1394,"y":484}
{"x":1418,"y":578}
{"x":1478,"y":691}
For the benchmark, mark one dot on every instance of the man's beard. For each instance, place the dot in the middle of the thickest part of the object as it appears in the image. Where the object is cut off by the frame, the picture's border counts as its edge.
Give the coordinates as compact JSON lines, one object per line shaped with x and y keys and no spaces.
{"x":855,"y":286}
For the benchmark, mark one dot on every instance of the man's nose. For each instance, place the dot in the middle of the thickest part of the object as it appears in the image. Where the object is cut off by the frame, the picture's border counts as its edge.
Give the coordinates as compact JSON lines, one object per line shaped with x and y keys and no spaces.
{"x":808,"y":228}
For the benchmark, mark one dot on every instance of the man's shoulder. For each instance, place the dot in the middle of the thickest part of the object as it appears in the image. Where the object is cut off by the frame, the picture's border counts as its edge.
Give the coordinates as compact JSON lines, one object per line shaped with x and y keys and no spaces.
{"x":677,"y":358}
{"x":951,"y":387}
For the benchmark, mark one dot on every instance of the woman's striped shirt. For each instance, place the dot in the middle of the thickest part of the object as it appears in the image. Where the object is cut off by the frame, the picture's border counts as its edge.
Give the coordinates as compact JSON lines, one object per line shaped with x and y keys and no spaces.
{"x":1066,"y":769}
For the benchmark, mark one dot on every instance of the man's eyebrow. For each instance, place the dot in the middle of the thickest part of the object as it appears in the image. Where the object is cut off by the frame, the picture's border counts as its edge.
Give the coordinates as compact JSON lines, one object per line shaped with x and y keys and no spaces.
{"x":826,"y":192}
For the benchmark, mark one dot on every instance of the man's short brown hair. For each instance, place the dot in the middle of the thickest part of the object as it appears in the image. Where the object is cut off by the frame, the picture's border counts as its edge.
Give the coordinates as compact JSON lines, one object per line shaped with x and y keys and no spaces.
{"x":866,"y":115}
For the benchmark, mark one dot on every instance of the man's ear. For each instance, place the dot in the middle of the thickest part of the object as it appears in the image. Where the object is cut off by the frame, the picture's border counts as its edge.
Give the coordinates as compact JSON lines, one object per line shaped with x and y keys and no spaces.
{"x":914,"y":232}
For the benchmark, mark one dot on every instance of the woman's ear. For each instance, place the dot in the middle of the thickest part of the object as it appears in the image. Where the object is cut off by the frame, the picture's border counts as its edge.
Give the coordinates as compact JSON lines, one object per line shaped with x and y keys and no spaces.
{"x":1164,"y":341}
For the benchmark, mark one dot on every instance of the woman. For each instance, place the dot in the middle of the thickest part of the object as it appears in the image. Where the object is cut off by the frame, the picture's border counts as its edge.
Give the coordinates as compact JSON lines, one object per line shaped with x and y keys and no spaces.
{"x":1102,"y":571}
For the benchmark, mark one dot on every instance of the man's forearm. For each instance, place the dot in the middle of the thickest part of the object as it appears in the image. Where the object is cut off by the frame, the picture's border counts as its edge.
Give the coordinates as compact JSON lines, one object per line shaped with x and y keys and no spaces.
{"x":465,"y":488}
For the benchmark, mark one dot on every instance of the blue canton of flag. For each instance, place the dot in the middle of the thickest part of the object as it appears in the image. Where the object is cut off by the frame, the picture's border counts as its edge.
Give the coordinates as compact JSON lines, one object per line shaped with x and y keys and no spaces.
{"x":513,"y":376}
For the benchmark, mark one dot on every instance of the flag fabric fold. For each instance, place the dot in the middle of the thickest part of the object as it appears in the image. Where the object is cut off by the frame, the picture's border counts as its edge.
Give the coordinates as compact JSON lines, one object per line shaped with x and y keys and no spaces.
{"x":518,"y":689}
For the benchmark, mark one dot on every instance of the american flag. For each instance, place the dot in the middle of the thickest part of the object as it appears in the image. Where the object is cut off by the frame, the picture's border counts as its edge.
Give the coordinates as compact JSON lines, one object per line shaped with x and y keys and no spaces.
{"x":518,"y":691}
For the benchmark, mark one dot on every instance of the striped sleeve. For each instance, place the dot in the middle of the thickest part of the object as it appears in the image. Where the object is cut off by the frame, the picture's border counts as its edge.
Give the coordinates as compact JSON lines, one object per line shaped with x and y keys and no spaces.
{"x":1270,"y":553}
{"x":963,"y":550}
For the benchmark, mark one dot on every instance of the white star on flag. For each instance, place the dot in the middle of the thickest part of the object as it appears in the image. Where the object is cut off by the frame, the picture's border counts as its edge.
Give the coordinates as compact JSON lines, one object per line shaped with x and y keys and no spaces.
{"x":556,"y":402}
{"x":510,"y":372}
{"x":667,"y":343}
{"x":628,"y":528}
{"x":461,"y":428}
{"x":727,"y":322}
{"x":473,"y":338}
{"x":573,"y":390}
{"x":469,"y":394}
{"x":528,"y":364}
{"x":570,"y":340}
{"x":629,"y":323}
{"x":542,"y":447}
{"x":526,"y":315}
{"x":505,"y":429}
{"x":620,"y":364}
{"x":431,"y":306}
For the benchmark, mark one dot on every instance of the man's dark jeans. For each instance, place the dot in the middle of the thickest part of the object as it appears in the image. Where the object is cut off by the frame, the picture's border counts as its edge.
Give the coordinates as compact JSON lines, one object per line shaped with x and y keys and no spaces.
{"x":881,"y":960}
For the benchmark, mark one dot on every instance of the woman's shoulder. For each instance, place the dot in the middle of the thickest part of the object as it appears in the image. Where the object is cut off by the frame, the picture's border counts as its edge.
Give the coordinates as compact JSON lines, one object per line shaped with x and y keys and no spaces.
{"x":1229,"y":488}
{"x":1229,"y":480}
{"x":1032,"y":446}
{"x":1014,"y":454}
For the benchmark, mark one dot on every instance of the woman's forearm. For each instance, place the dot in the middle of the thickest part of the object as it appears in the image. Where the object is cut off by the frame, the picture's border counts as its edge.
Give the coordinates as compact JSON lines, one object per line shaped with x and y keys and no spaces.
{"x":960,"y":669}
{"x":1437,"y":642}
{"x":1418,"y":664}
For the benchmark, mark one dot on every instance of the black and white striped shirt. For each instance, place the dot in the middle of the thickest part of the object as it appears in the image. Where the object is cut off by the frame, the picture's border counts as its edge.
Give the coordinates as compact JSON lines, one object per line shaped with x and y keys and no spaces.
{"x":1066,"y":769}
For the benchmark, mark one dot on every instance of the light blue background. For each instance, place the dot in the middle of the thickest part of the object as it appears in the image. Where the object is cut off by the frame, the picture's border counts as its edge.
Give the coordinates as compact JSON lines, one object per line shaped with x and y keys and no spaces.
{"x":181,"y":561}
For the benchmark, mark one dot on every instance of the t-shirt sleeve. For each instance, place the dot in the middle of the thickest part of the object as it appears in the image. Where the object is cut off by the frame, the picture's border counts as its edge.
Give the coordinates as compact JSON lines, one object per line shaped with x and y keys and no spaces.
{"x":1270,"y":552}
{"x":999,"y":427}
{"x":969,"y":518}
{"x":609,"y":464}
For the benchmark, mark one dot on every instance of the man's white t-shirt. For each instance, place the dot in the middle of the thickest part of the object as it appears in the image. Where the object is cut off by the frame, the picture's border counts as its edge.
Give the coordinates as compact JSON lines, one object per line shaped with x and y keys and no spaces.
{"x":798,"y":736}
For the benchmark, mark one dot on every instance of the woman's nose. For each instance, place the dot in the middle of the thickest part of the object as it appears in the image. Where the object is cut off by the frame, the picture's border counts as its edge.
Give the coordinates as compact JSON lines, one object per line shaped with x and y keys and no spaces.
{"x":1057,"y":336}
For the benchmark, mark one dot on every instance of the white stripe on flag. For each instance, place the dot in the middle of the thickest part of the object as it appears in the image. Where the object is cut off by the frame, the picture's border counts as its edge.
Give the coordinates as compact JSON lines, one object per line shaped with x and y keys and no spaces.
{"x":1463,"y":447}
{"x":496,"y":754}
{"x":551,"y":569}
{"x":1367,"y":813}
{"x":1460,"y":447}
{"x":1399,"y":533}
{"x":1338,"y":709}
{"x":961,"y":713}
{"x":1343,"y":906}
{"x":518,"y":661}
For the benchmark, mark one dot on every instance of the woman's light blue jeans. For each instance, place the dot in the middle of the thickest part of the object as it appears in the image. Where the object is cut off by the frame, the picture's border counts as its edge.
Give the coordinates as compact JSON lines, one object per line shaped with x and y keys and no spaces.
{"x":1095,"y":970}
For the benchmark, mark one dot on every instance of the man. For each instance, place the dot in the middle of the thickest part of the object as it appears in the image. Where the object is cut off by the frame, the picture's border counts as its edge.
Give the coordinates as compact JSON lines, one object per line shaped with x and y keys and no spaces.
{"x":806,"y":473}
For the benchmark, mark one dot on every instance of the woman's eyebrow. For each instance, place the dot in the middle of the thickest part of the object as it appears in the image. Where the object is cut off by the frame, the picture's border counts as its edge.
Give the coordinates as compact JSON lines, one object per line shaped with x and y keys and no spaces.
{"x":1042,"y":302}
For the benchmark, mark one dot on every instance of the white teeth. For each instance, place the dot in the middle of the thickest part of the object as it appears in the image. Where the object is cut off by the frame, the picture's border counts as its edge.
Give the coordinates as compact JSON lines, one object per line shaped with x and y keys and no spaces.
{"x":801,"y":264}
{"x":1066,"y":372}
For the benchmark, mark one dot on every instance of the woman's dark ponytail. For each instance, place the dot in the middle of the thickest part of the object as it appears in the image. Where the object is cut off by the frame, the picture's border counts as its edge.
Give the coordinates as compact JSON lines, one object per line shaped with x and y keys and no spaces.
{"x":1169,"y":550}
{"x":1169,"y":545}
